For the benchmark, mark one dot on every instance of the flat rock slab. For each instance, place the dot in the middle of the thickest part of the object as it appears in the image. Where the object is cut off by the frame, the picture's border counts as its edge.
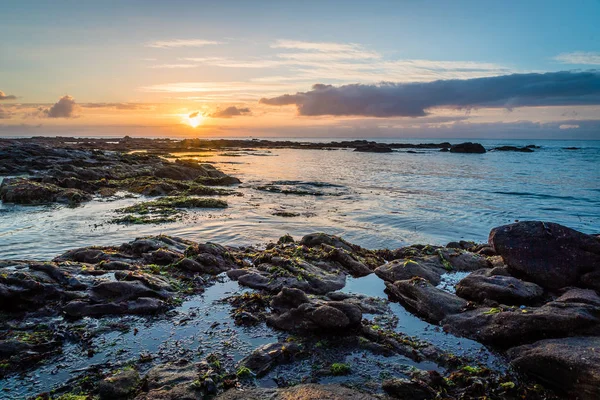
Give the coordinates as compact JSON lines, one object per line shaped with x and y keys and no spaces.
{"x":484,"y":285}
{"x":567,"y":364}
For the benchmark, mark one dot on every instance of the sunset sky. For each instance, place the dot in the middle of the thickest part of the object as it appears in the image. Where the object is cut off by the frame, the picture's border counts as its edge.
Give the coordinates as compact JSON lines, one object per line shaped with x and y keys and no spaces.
{"x":303,"y":68}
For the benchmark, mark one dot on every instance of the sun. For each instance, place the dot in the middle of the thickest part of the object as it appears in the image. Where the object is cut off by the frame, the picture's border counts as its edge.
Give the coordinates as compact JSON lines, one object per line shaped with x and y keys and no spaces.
{"x":194,"y":119}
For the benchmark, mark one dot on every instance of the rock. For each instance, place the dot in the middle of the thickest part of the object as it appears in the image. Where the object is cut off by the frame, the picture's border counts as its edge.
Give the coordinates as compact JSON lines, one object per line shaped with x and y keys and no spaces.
{"x":317,"y":239}
{"x":486,"y":285}
{"x":171,"y":381}
{"x":123,"y":290}
{"x":428,"y":268}
{"x":294,"y":312}
{"x":162,"y":257}
{"x":374,"y":148}
{"x":26,"y":191}
{"x":580,"y":296}
{"x":142,"y":305}
{"x":212,"y":258}
{"x":300,"y":392}
{"x":119,"y":386}
{"x":467,"y":147}
{"x":567,"y":364}
{"x":551,"y":255}
{"x":505,"y":327}
{"x":263,"y":359}
{"x":526,"y":149}
{"x":408,"y":389}
{"x":350,"y":264}
{"x":427,"y":301}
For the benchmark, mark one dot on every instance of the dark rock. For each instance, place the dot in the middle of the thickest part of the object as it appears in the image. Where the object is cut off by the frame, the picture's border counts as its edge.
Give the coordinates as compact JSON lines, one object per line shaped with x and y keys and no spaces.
{"x":171,"y":381}
{"x":408,"y":389}
{"x":526,"y":149}
{"x":26,"y":191}
{"x":427,"y":301}
{"x":509,"y":327}
{"x":374,"y":148}
{"x":402,"y":269}
{"x":139,"y":306}
{"x":263,"y":359}
{"x":551,"y":255}
{"x":317,"y":239}
{"x":567,"y":364}
{"x":299,"y":392}
{"x":486,"y":285}
{"x":467,"y":147}
{"x":212,"y":258}
{"x":119,"y":386}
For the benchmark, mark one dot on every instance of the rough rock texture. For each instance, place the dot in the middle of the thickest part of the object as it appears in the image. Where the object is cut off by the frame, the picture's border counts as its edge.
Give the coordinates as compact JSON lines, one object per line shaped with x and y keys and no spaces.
{"x":119,"y":386}
{"x":567,"y":364}
{"x":486,"y":285}
{"x":268,"y":356}
{"x":551,"y":255}
{"x":408,"y":389}
{"x":295,"y":312}
{"x":300,"y":392}
{"x":507,"y":327}
{"x":425,"y":300}
{"x":421,"y":267}
{"x":171,"y":381}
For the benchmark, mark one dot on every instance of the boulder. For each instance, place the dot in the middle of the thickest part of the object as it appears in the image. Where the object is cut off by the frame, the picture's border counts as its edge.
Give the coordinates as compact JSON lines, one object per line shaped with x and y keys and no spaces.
{"x":264,"y":358}
{"x":402,"y":269}
{"x":317,"y":239}
{"x":171,"y":381}
{"x":506,"y":327}
{"x":427,"y":301}
{"x":400,"y":388}
{"x":486,"y":285}
{"x":568,"y":364}
{"x":467,"y":147}
{"x":549,"y":254}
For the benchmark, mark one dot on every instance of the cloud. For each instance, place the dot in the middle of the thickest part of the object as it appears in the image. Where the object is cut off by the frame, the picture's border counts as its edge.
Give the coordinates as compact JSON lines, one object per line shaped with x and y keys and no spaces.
{"x":63,"y":108}
{"x":194,"y":114}
{"x":569,"y":126}
{"x":5,"y":113}
{"x":173,"y":66}
{"x":4,"y":96}
{"x":579,"y":57}
{"x":175,"y":43}
{"x":118,"y":106}
{"x":415,"y":99}
{"x":230,"y":112}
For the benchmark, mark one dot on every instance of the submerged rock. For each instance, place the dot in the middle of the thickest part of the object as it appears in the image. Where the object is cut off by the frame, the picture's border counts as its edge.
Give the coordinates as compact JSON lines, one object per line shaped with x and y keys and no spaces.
{"x":549,"y":254}
{"x":569,"y":364}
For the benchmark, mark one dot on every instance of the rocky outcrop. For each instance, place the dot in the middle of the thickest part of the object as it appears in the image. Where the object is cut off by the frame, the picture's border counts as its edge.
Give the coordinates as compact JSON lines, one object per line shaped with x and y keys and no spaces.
{"x":299,"y":392}
{"x":569,"y":364}
{"x":374,"y":148}
{"x":493,"y":285}
{"x":525,"y":149}
{"x":467,"y":147}
{"x":549,"y":254}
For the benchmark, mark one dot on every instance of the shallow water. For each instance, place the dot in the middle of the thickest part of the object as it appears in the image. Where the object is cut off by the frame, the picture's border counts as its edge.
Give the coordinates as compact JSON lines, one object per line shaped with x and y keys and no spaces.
{"x":380,"y":200}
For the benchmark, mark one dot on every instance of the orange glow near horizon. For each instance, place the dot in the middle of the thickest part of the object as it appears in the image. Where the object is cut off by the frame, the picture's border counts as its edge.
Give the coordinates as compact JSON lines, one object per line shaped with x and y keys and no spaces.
{"x":194,"y":119}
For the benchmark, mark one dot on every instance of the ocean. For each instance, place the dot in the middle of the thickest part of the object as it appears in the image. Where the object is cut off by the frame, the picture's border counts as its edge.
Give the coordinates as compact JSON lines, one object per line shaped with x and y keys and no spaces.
{"x":376,"y":200}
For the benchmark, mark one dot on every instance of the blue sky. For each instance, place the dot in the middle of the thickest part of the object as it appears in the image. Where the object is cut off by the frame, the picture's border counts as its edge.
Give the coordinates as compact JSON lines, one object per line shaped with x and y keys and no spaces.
{"x":206,"y":56}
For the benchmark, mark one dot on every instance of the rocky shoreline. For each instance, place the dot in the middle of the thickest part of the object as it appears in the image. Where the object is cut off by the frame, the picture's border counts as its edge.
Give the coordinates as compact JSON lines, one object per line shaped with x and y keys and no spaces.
{"x":530,"y":294}
{"x":162,"y":317}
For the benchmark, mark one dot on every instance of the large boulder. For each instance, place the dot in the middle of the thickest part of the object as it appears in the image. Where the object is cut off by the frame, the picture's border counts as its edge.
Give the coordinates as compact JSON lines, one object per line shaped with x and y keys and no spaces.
{"x":568,"y":364}
{"x":487,"y":285}
{"x":427,"y":301}
{"x":549,"y":254}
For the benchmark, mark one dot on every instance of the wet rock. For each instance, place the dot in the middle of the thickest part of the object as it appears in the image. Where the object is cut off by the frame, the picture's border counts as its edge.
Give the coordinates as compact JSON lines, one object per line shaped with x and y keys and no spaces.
{"x":295,"y":313}
{"x":123,"y":290}
{"x":549,"y":254}
{"x":350,"y":264}
{"x":317,"y":239}
{"x":119,"y":386}
{"x":374,"y":148}
{"x":398,"y":270}
{"x":506,"y":327}
{"x":88,"y":255}
{"x":427,"y":301}
{"x":467,"y":147}
{"x":263,"y":359}
{"x":171,"y":381}
{"x":141,"y":306}
{"x":580,"y":296}
{"x":162,"y":257}
{"x":526,"y":149}
{"x":408,"y":389}
{"x":486,"y":285}
{"x":299,"y":392}
{"x":26,"y":191}
{"x":567,"y":364}
{"x":210,"y":258}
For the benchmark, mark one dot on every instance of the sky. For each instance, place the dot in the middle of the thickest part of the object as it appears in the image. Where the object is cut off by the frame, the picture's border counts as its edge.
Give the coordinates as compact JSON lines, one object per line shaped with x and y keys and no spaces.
{"x":418,"y":69}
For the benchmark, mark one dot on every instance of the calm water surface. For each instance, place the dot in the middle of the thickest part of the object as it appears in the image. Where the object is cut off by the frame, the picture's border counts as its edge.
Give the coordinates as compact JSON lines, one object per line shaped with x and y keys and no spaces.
{"x":379,"y":200}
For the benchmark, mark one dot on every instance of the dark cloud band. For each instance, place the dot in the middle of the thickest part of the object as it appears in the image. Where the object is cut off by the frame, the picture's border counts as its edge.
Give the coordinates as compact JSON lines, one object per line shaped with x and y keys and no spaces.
{"x":414,"y":99}
{"x":230,"y":112}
